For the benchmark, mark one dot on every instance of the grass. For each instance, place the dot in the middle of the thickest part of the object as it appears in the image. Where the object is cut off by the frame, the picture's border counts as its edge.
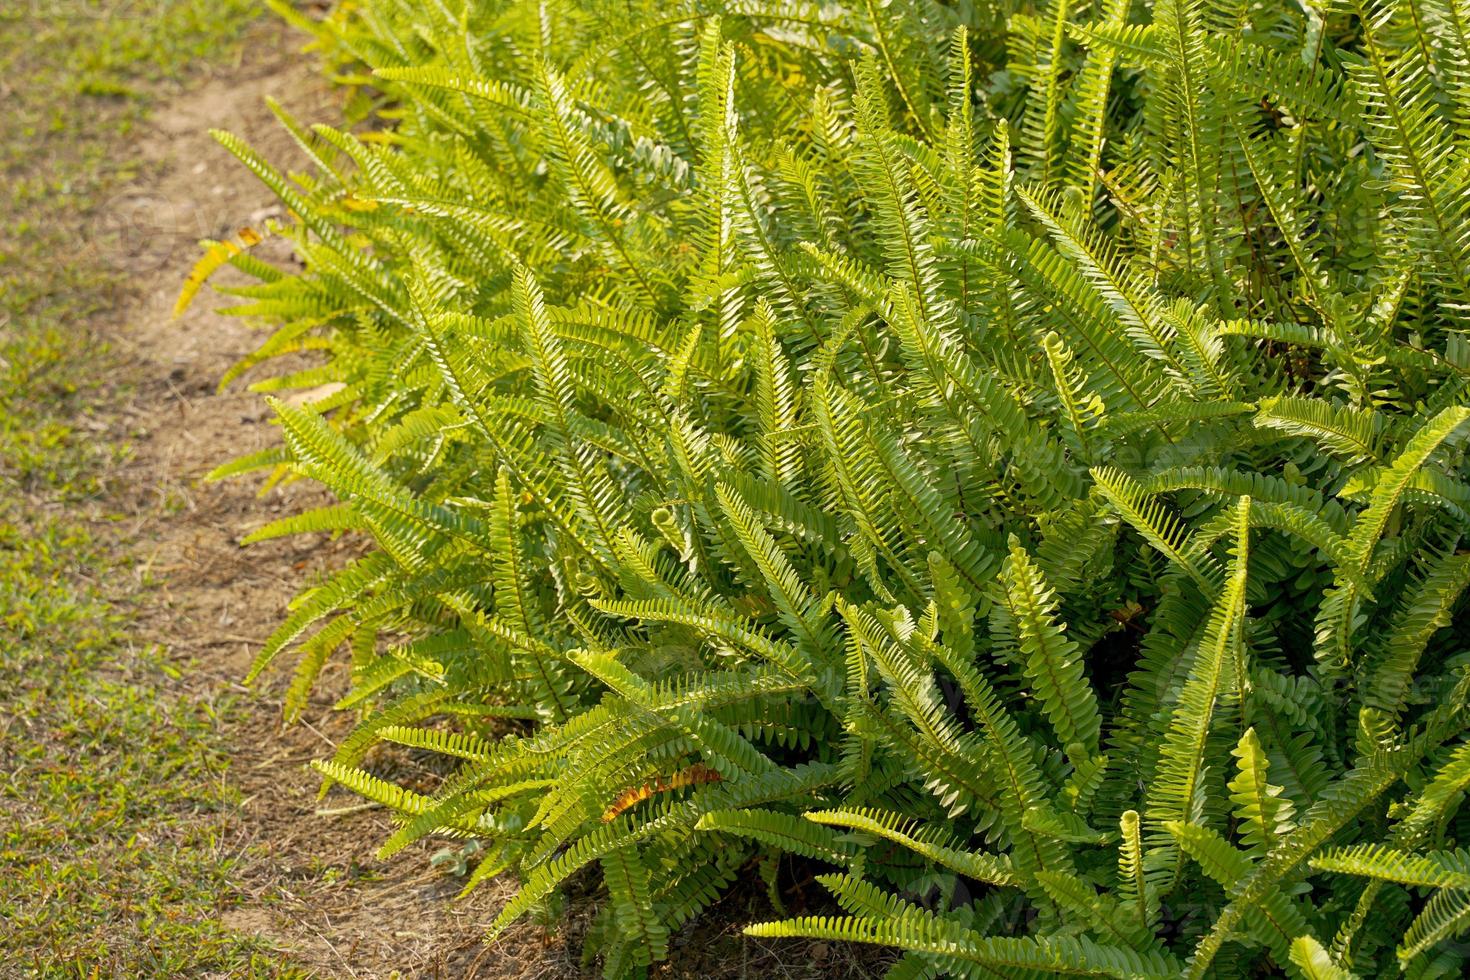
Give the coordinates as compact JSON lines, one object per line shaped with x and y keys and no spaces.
{"x":111,"y":790}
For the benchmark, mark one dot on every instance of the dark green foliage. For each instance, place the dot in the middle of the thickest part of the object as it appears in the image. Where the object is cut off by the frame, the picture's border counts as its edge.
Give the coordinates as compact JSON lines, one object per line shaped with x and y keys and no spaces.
{"x":1018,"y":450}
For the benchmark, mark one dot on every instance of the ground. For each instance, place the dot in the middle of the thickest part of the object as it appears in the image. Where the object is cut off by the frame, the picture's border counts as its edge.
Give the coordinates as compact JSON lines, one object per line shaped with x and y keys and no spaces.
{"x":155,"y":818}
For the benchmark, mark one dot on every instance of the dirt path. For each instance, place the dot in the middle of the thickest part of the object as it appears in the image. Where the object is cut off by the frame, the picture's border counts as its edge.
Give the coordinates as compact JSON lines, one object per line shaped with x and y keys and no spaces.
{"x":308,"y":881}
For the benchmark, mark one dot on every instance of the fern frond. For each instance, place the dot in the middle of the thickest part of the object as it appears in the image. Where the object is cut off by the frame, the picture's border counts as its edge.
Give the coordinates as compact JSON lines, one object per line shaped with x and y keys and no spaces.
{"x":1264,"y":814}
{"x":1385,"y":864}
{"x":781,"y":830}
{"x":993,"y":869}
{"x":1177,"y":794}
{"x":1314,"y":962}
{"x":1052,"y":661}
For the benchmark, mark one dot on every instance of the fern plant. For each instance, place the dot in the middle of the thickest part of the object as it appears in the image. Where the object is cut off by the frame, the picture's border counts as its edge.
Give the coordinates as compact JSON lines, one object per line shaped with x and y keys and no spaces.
{"x":1012,"y":456}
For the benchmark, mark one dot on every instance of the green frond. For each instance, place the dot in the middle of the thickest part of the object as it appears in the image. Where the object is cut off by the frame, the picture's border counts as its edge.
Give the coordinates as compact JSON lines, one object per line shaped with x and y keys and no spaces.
{"x":501,"y":94}
{"x":1151,"y":519}
{"x":1178,"y":790}
{"x":990,"y":868}
{"x":1350,"y":796}
{"x":784,"y":831}
{"x":1432,"y":870}
{"x":394,"y":797}
{"x":1264,"y":814}
{"x":1138,"y":309}
{"x":627,"y":882}
{"x":1092,"y":88}
{"x":1440,"y":796}
{"x":313,"y":659}
{"x":322,"y":520}
{"x":1134,"y":889}
{"x":965,"y":951}
{"x":462,"y":745}
{"x":1083,"y":408}
{"x":796,"y":605}
{"x":1314,"y":962}
{"x":1052,"y":662}
{"x":1446,"y":916}
{"x":1337,"y":429}
{"x":274,"y":456}
{"x":1427,"y":610}
{"x":1275,"y":921}
{"x":341,"y":588}
{"x":1392,"y":480}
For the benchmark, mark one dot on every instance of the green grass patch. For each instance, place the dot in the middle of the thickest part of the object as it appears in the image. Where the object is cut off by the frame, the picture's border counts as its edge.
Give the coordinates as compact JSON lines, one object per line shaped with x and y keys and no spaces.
{"x":110,"y":782}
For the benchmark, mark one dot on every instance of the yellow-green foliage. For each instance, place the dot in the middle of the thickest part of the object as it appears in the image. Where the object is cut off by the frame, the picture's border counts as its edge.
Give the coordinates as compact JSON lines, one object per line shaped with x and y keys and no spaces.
{"x":1025,"y":439}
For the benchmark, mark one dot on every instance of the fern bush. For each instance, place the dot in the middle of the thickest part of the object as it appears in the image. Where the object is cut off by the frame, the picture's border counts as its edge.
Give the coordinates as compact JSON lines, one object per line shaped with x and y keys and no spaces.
{"x":1012,"y":454}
